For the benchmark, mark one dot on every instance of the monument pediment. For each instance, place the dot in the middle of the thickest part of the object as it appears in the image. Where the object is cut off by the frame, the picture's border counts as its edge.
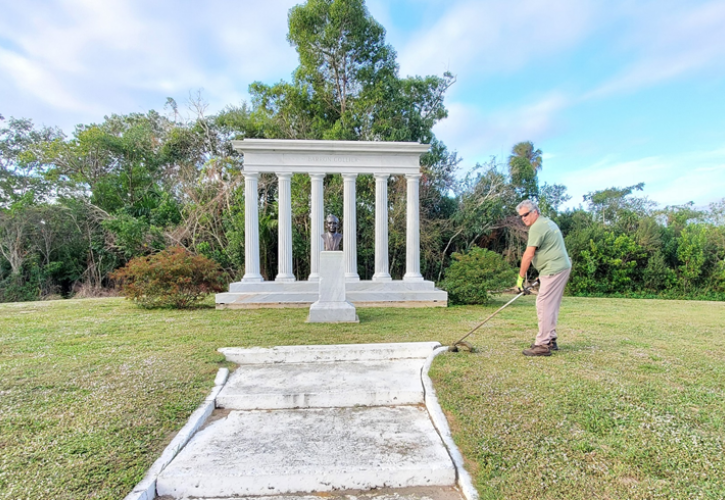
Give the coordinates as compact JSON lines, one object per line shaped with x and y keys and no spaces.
{"x":329,"y":157}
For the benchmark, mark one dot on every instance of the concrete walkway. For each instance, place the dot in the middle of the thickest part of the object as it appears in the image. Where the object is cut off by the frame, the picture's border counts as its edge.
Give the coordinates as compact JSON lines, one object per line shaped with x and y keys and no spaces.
{"x":305,"y":420}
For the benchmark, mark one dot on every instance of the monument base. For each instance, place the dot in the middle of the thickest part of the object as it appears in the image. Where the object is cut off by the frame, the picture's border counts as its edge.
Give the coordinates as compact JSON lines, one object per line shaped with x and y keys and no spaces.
{"x":270,"y":294}
{"x":332,"y":307}
{"x":332,"y":312}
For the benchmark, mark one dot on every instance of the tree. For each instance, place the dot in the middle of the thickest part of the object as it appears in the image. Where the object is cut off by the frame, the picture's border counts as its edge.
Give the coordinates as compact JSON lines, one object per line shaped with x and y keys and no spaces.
{"x":676,"y":217}
{"x":691,"y":253}
{"x":19,"y":144}
{"x":551,"y":198}
{"x":613,"y":204}
{"x":347,"y":85}
{"x":481,"y":206}
{"x":15,"y":228}
{"x":716,"y":213}
{"x":343,"y":57}
{"x":524,"y":165}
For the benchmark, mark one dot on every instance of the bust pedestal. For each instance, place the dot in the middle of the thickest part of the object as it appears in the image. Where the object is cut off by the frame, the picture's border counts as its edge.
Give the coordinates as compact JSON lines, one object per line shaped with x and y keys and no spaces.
{"x":332,"y":306}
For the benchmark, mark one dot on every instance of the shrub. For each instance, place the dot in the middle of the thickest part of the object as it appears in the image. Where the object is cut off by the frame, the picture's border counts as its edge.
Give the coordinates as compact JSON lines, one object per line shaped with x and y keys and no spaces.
{"x":471,"y":275}
{"x":172,"y":278}
{"x":605,"y":263}
{"x":657,"y":276}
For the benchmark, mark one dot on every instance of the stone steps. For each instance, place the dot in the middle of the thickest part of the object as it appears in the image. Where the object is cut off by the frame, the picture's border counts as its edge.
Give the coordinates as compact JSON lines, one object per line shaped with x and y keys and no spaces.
{"x":252,"y":453}
{"x":322,"y":385}
{"x":318,"y":419}
{"x":329,"y":353}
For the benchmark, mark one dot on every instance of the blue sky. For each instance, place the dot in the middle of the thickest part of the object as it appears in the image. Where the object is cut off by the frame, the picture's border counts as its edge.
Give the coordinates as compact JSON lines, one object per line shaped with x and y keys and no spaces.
{"x":613,"y":92}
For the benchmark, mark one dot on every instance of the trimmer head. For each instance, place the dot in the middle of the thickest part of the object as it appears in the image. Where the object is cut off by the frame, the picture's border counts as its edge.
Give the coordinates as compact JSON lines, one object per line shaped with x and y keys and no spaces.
{"x":462,"y":346}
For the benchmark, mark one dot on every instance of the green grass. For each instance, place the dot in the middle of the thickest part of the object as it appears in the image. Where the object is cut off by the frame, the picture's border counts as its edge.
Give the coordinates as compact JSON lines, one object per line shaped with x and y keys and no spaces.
{"x":631,"y":407}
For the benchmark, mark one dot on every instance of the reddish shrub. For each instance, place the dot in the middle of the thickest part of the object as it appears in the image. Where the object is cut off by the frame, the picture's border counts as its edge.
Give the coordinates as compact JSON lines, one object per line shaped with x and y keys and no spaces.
{"x":173,"y":278}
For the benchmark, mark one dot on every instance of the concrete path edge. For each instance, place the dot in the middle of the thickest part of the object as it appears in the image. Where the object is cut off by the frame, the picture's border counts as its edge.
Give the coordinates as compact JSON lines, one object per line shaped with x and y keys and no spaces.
{"x":435,"y":411}
{"x":146,"y":488}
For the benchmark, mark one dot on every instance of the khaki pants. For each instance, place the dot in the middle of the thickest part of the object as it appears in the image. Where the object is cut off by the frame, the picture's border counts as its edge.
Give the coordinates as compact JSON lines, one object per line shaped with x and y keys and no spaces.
{"x":547,"y":305}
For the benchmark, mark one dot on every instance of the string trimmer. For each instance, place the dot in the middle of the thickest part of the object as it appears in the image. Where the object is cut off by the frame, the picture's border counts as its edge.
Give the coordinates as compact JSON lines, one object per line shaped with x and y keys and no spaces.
{"x":467,"y":346}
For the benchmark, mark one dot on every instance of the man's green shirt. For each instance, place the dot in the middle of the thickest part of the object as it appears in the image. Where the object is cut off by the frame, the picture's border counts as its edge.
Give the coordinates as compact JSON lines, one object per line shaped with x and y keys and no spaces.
{"x":550,"y":257}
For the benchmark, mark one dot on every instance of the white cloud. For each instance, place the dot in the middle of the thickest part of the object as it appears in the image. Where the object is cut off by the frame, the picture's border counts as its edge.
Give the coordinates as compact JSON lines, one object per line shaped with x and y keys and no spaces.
{"x":486,"y":37}
{"x":476,"y":134}
{"x":667,"y":43}
{"x":81,"y":59}
{"x":651,"y":41}
{"x":37,"y":81}
{"x":697,"y":176}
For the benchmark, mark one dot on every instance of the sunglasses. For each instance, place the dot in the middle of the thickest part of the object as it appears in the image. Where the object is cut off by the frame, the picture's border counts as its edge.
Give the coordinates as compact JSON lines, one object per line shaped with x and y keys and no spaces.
{"x":526,"y":214}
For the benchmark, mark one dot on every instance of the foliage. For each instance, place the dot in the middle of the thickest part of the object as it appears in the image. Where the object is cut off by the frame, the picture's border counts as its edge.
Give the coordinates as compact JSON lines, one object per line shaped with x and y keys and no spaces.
{"x":608,"y":263}
{"x":657,"y":276}
{"x":644,"y":258}
{"x":172,"y":278}
{"x":691,"y":254}
{"x":347,"y":85}
{"x":20,"y":141}
{"x":524,"y":165}
{"x":551,"y":198}
{"x":614,"y":204}
{"x":474,"y":276}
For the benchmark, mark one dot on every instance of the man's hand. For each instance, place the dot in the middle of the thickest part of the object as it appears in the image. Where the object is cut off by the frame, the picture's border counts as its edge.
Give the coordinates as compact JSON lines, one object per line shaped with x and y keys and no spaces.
{"x":520,"y":282}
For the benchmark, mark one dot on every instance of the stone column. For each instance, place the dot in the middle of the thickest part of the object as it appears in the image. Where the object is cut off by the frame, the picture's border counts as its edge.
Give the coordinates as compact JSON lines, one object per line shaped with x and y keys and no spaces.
{"x":349,"y":229}
{"x":284,"y":256}
{"x":251,"y":229}
{"x":382,"y":272}
{"x":317,"y":223}
{"x":412,"y":237}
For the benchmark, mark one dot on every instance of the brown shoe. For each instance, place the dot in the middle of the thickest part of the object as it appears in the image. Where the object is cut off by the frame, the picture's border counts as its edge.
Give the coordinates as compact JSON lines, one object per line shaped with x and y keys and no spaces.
{"x":552,"y":345}
{"x":538,"y":350}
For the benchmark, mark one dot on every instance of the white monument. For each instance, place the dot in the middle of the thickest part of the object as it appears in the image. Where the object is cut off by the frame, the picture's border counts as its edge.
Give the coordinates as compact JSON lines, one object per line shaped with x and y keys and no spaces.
{"x":317,"y":159}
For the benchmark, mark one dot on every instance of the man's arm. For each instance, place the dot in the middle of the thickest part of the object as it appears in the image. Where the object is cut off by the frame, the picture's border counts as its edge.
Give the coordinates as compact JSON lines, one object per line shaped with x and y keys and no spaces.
{"x":526,"y":260}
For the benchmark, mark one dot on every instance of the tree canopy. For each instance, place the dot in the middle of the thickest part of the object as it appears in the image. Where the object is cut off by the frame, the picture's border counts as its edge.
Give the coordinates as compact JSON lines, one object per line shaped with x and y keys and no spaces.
{"x":347,"y":85}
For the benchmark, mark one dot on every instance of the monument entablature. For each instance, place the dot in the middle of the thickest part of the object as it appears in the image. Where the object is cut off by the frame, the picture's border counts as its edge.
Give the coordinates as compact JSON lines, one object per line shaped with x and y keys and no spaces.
{"x":318,"y":158}
{"x":330,"y":157}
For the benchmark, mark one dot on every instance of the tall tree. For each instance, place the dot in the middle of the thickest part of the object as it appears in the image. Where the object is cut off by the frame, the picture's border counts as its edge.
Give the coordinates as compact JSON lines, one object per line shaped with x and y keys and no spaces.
{"x":524,"y":165}
{"x":343,"y":56}
{"x":347,"y":85}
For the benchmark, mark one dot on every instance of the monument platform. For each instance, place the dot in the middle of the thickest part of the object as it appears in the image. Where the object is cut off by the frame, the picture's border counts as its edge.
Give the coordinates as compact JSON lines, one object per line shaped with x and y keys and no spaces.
{"x":360,"y":293}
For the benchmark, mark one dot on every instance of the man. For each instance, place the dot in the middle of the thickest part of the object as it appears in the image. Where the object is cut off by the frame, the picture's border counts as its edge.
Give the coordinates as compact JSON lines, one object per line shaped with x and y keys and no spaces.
{"x":546,"y":250}
{"x":331,"y":238}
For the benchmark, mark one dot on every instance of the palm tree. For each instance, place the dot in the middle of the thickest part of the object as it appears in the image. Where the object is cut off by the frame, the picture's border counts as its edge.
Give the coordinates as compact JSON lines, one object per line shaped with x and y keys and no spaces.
{"x":524,"y":164}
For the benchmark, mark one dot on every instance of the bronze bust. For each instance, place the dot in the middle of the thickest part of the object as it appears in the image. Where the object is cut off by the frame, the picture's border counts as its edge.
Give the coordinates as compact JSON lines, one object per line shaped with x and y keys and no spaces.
{"x":331,"y":238}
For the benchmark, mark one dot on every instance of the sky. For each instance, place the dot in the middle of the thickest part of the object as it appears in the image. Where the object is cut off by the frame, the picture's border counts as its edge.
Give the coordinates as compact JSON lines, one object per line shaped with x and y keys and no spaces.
{"x":613,"y":92}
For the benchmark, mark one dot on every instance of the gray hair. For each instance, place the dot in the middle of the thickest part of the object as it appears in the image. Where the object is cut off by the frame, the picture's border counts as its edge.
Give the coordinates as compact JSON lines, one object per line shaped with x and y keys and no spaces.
{"x":528,"y":205}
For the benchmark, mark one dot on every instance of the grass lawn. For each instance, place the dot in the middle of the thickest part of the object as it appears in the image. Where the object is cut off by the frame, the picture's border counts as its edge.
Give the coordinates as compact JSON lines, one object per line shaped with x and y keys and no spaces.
{"x":631,"y":407}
